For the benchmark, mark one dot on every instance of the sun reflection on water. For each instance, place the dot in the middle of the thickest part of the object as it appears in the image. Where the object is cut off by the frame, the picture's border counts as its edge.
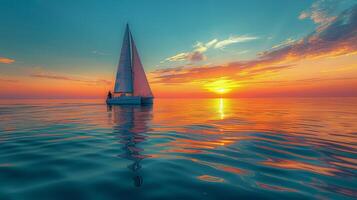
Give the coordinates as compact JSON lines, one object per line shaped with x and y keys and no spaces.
{"x":221,"y":108}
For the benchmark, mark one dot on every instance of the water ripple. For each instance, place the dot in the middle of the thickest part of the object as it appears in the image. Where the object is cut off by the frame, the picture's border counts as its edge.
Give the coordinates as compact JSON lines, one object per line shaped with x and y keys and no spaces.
{"x":183,"y":148}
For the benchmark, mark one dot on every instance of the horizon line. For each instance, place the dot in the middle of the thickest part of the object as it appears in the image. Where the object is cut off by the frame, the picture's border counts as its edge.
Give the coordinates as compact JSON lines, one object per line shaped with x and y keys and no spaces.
{"x":261,"y":97}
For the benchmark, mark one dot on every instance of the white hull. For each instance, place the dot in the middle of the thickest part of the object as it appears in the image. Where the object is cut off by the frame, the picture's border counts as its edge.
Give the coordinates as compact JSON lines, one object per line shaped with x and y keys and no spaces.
{"x":129,"y":100}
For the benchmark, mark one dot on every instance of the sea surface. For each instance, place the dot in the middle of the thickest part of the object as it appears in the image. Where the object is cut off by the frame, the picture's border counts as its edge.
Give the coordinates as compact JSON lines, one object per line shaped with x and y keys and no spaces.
{"x":292,"y":148}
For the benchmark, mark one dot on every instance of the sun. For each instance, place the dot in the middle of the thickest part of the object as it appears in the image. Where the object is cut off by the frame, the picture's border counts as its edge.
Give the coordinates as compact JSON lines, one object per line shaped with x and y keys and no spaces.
{"x":222,"y":90}
{"x":221,"y":86}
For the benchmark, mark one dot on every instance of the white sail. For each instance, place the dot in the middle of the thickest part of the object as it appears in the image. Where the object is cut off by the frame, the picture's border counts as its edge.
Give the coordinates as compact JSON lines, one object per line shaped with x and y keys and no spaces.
{"x":124,"y":80}
{"x":131,"y":76}
{"x":140,"y":82}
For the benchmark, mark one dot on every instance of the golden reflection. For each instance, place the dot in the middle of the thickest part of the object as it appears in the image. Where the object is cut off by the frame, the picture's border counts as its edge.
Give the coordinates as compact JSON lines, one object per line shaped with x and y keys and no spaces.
{"x":209,"y":178}
{"x":221,"y":108}
{"x":296,"y":165}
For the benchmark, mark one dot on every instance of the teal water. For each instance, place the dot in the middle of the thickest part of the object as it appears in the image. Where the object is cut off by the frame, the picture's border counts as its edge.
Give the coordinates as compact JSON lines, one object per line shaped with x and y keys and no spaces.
{"x":179,"y":148}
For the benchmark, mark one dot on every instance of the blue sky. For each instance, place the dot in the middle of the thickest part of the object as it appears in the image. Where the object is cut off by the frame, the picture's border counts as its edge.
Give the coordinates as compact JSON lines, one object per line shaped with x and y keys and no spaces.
{"x":86,"y":35}
{"x":82,"y":38}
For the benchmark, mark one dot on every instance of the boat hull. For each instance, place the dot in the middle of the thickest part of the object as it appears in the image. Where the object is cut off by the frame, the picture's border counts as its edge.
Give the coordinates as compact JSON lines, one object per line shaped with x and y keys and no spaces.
{"x":129,"y":100}
{"x":147,"y":100}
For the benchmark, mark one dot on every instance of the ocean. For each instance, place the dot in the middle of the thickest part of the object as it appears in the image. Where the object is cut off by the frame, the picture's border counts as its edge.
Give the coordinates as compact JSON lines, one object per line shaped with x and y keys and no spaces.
{"x":278,"y":148}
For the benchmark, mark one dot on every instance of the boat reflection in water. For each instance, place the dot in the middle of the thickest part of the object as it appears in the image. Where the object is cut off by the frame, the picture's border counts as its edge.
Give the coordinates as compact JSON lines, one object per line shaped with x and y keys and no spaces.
{"x":130,"y":125}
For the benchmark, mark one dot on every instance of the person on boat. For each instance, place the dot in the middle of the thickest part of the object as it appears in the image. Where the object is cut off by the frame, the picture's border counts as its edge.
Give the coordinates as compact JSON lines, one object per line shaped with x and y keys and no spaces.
{"x":109,"y":95}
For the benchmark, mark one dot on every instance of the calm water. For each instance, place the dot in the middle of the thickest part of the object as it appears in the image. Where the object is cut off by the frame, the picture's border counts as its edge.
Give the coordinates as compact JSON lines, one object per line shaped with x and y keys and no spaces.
{"x":184,"y":149}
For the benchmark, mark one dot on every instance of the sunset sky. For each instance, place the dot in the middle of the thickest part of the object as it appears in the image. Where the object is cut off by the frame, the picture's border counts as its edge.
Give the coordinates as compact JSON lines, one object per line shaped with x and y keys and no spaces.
{"x":198,"y":48}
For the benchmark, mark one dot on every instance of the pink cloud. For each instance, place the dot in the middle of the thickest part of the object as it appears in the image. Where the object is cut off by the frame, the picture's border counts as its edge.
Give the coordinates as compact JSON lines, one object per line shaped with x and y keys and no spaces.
{"x":6,"y":60}
{"x":8,"y":80}
{"x":69,"y":78}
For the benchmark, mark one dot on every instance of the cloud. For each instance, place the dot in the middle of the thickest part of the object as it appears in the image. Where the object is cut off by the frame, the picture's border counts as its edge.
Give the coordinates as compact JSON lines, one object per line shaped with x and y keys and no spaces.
{"x":338,"y":38}
{"x":304,"y":15}
{"x":6,"y":60}
{"x":100,"y":53}
{"x":284,"y":43}
{"x":201,"y":47}
{"x":321,"y":11}
{"x":178,"y":57}
{"x":57,"y":77}
{"x":69,"y":78}
{"x":197,"y":54}
{"x":233,"y":40}
{"x":189,"y":56}
{"x":241,"y":52}
{"x":236,"y":70}
{"x":304,"y":81}
{"x":9,"y":80}
{"x":211,"y":43}
{"x":324,"y":12}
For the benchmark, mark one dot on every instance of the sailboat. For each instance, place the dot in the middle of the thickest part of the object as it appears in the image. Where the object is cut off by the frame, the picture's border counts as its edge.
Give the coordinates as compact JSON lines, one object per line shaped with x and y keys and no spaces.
{"x":131,"y":85}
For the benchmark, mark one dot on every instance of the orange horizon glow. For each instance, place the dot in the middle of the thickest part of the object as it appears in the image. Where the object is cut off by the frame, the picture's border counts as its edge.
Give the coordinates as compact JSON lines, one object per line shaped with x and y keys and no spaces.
{"x":323,"y":75}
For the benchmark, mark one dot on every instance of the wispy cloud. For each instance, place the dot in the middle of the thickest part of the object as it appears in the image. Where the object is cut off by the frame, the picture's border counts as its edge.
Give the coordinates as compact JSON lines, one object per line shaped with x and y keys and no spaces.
{"x":9,"y":80}
{"x":233,"y":40}
{"x":52,"y":76}
{"x":194,"y":56}
{"x":47,"y":75}
{"x":178,"y":57}
{"x":6,"y":60}
{"x":203,"y":47}
{"x":197,"y":54}
{"x":100,"y":53}
{"x":286,"y":42}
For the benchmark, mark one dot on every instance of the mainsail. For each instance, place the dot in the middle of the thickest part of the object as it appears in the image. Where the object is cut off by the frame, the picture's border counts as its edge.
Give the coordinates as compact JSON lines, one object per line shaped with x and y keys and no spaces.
{"x":124,"y":81}
{"x":131,"y":76}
